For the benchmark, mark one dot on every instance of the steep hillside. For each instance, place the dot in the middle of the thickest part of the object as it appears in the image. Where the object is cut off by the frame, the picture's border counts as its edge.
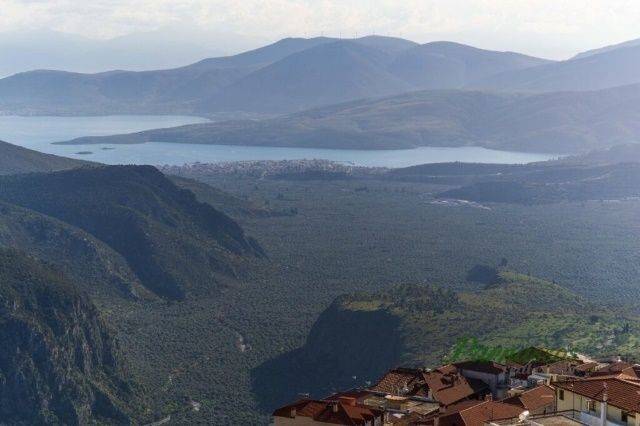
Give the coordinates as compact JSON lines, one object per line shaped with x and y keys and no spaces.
{"x":59,"y":363}
{"x":15,"y":159}
{"x":446,"y":65}
{"x":360,"y":336}
{"x":94,"y":266}
{"x":172,"y":242}
{"x":610,"y":68}
{"x":569,"y":122}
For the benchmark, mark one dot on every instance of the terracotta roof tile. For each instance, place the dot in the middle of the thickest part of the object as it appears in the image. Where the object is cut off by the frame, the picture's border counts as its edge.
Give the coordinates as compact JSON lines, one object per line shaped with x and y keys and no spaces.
{"x":478,"y":414}
{"x":618,"y":367}
{"x":621,"y":392}
{"x":329,"y":412}
{"x":398,"y":379}
{"x":446,"y":388}
{"x":533,"y":399}
{"x":461,"y":389}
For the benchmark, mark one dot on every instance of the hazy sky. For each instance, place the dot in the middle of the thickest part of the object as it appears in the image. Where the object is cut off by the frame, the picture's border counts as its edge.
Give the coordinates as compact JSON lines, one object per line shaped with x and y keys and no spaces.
{"x":552,"y":28}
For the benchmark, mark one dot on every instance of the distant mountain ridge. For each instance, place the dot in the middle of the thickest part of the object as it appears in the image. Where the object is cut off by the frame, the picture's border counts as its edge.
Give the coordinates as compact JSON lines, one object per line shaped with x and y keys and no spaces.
{"x":600,"y":70}
{"x":565,"y":122}
{"x":448,"y":65}
{"x":289,"y":75}
{"x":321,"y":75}
{"x":629,"y":43}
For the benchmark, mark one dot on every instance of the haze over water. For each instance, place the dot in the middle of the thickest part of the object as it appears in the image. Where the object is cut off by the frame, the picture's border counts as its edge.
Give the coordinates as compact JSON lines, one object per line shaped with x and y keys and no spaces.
{"x":38,"y":132}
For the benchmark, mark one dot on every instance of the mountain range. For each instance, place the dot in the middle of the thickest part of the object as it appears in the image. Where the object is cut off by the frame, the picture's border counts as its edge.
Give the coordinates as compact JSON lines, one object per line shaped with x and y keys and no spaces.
{"x":615,"y":66}
{"x":289,"y":75}
{"x":295,"y":74}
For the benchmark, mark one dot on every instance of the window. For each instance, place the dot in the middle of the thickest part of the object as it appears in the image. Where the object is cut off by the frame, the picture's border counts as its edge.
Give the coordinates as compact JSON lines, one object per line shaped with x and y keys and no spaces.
{"x":591,"y":405}
{"x":561,"y":394}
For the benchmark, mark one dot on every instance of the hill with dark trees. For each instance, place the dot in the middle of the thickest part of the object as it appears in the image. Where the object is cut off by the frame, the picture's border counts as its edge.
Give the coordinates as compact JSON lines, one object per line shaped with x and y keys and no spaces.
{"x":567,"y":122}
{"x":170,"y":240}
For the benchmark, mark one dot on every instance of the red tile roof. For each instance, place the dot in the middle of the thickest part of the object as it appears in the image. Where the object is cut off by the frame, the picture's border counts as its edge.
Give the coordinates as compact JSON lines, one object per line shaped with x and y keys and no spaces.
{"x":622,"y":391}
{"x":461,"y":389}
{"x":617,"y":368}
{"x":480,"y":413}
{"x":333,"y":412}
{"x":533,"y":399}
{"x":394,"y":381}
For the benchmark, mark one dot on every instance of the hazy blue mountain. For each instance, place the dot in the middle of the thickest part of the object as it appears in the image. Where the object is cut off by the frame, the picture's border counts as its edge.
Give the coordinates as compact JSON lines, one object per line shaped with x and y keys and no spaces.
{"x":61,"y":92}
{"x":264,"y":55}
{"x":368,"y":67}
{"x":629,"y":43}
{"x":447,"y":65}
{"x":610,"y":68}
{"x":392,"y":45}
{"x":290,"y":75}
{"x":564,"y":122}
{"x":325,"y":74}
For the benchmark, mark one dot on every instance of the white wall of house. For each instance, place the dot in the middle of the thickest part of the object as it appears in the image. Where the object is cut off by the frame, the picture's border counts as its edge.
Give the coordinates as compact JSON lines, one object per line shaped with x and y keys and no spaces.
{"x":573,"y":401}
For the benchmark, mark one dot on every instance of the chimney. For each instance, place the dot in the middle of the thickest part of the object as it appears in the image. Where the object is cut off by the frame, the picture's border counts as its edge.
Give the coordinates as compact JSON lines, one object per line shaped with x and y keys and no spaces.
{"x":334,"y":407}
{"x":488,"y":397}
{"x":603,"y":407}
{"x":294,"y":412}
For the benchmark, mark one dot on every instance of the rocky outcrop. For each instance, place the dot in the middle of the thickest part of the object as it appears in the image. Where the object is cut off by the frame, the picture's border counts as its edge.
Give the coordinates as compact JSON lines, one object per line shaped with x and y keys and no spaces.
{"x":59,"y":363}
